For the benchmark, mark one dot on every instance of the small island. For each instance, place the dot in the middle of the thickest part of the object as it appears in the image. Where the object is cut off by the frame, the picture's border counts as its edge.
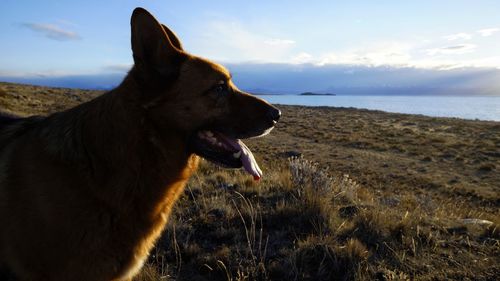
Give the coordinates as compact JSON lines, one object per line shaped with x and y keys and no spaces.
{"x":316,"y":94}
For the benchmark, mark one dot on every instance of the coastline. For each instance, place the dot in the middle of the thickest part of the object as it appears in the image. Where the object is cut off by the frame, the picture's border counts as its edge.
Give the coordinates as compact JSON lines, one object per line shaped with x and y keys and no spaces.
{"x":464,"y":107}
{"x":64,"y":97}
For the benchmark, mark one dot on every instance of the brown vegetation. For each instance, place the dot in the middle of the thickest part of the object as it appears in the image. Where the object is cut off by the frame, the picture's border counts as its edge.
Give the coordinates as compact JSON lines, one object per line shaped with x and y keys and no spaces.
{"x":374,"y":196}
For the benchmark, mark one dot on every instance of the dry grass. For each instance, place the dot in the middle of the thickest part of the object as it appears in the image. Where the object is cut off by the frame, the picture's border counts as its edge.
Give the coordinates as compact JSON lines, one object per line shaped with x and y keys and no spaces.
{"x":301,"y":223}
{"x":376,"y":196}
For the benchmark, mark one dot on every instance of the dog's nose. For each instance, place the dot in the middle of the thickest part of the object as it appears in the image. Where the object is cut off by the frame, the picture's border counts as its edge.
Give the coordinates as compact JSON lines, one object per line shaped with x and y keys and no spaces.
{"x":274,"y":114}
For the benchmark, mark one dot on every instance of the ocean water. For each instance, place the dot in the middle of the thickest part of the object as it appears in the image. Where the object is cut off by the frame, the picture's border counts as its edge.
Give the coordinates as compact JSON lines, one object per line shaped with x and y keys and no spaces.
{"x":482,"y":108}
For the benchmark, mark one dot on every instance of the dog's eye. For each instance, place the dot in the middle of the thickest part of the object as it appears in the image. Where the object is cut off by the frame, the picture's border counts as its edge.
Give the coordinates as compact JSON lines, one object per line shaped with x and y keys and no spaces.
{"x":220,"y":88}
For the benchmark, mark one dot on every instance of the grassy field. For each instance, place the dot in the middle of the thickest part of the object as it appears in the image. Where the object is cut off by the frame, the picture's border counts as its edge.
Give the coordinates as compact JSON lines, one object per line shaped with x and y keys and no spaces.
{"x":347,"y":194}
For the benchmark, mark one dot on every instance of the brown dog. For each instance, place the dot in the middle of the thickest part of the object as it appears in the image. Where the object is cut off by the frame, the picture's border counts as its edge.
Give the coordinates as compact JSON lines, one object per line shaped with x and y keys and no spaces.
{"x":85,"y":193}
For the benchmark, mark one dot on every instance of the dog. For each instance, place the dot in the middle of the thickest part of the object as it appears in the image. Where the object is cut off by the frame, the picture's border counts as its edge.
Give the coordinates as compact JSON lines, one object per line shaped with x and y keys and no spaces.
{"x":85,"y":193}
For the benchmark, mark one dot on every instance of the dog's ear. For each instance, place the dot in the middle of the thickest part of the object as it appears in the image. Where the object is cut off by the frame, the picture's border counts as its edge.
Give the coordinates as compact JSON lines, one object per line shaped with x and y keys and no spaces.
{"x":151,"y":46}
{"x":173,"y":38}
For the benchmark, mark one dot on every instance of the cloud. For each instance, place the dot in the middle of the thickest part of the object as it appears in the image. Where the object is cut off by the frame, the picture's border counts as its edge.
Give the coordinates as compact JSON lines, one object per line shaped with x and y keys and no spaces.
{"x":452,"y":50}
{"x":458,"y":36}
{"x":360,"y":79}
{"x":51,"y":31}
{"x":399,"y":55}
{"x":289,"y":78}
{"x":234,"y":41}
{"x":382,"y":53}
{"x":118,"y":67}
{"x":43,"y":73}
{"x":488,"y":31}
{"x":301,"y":58}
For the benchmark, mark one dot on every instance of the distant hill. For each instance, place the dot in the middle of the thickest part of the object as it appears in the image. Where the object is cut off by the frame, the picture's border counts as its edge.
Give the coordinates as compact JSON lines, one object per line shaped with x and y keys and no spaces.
{"x":338,"y":79}
{"x":316,"y":94}
{"x":365,"y":80}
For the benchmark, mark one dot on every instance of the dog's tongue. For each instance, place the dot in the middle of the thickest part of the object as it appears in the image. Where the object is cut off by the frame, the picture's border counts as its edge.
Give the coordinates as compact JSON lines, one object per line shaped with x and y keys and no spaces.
{"x":246,"y":156}
{"x":248,"y":161}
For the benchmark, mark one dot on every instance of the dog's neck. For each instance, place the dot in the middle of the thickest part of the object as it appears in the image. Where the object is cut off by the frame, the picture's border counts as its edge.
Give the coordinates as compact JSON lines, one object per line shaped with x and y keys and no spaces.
{"x":126,"y":158}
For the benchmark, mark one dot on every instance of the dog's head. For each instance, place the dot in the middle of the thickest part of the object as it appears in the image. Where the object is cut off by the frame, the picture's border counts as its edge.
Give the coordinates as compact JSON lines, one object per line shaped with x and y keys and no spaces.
{"x":196,"y":97}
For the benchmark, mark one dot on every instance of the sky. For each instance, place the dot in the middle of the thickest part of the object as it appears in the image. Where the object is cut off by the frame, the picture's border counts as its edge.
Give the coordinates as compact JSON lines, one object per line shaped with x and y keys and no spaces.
{"x":56,"y":39}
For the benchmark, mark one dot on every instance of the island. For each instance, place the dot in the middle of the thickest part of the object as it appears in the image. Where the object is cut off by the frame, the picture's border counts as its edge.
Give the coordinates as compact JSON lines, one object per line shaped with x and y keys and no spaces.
{"x":316,"y":94}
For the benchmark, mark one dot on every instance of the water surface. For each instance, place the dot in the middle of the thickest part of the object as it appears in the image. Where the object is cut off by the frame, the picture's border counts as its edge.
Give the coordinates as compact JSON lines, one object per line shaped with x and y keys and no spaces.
{"x":482,"y":108}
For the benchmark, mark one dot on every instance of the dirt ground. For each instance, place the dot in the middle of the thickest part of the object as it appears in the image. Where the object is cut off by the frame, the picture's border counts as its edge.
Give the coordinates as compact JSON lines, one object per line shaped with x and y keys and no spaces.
{"x":437,"y":158}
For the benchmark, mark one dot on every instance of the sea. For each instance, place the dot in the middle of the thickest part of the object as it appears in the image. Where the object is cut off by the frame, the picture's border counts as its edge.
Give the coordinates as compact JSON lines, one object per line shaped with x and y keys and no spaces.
{"x":467,"y":107}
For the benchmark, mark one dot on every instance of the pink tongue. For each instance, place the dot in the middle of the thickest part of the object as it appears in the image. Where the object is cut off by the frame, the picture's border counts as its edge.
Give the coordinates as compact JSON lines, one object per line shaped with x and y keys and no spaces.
{"x":249,"y":163}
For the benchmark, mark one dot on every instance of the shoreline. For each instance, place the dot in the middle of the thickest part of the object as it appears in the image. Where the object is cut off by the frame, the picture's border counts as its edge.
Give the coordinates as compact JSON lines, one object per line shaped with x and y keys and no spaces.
{"x":384,"y":112}
{"x":84,"y":94}
{"x":495,"y":119}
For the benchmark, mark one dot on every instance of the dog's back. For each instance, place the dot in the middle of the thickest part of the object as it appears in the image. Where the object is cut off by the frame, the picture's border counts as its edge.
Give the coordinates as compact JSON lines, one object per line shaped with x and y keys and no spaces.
{"x":12,"y":126}
{"x":6,"y":120}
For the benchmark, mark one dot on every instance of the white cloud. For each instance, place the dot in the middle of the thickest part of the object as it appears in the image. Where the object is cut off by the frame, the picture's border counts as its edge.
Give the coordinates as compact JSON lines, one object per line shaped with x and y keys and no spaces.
{"x":400,"y":54}
{"x":458,"y":36}
{"x":232,"y":41}
{"x":488,"y":31}
{"x":40,"y":73}
{"x":302,"y":57}
{"x":452,"y":50}
{"x":53,"y":32}
{"x":118,"y":67}
{"x":384,"y":53}
{"x":235,"y":41}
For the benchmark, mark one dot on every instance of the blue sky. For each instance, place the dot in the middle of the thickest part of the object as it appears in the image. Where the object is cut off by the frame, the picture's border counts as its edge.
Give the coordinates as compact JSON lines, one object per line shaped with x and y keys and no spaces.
{"x":60,"y":38}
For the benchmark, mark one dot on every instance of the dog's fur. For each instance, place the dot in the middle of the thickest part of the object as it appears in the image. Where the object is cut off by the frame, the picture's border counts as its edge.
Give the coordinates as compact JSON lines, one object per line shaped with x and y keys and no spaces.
{"x":85,"y":193}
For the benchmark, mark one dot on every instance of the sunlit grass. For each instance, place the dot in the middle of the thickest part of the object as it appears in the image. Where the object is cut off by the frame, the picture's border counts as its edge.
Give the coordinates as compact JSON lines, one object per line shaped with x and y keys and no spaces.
{"x":301,"y":223}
